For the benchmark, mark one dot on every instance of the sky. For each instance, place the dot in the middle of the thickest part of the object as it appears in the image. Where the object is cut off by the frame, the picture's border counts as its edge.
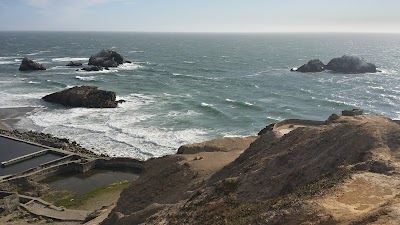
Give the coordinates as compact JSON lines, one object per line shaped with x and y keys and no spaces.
{"x":202,"y":15}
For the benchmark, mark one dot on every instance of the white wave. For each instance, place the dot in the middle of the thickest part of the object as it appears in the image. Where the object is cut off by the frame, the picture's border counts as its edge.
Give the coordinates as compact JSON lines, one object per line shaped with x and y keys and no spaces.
{"x":116,"y":132}
{"x":141,"y":97}
{"x":278,"y":118}
{"x":8,"y":57}
{"x":33,"y":82}
{"x":338,"y":102}
{"x":248,"y":103}
{"x":189,"y":62}
{"x":37,"y":53}
{"x":136,"y":51}
{"x":6,"y":62}
{"x":376,"y":87}
{"x":11,"y":100}
{"x":229,"y":100}
{"x":68,"y":59}
{"x":59,"y":68}
{"x":128,"y":66}
{"x":89,"y":78}
{"x":194,"y":76}
{"x":388,"y":71}
{"x":203,"y":104}
{"x":189,"y":113}
{"x":96,"y":72}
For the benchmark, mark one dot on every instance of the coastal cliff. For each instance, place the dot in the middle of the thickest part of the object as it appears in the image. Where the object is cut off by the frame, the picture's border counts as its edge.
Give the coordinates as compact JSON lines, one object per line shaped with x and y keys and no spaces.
{"x":343,"y":171}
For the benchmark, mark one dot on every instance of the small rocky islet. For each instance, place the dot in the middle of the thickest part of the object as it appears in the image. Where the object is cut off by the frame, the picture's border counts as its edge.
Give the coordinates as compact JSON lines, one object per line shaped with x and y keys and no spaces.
{"x":104,"y":59}
{"x":84,"y":96}
{"x":29,"y":65}
{"x":345,"y":64}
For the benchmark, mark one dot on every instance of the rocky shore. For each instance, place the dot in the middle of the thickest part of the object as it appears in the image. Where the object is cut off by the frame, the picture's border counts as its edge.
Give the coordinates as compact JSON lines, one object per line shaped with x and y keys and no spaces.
{"x":49,"y":140}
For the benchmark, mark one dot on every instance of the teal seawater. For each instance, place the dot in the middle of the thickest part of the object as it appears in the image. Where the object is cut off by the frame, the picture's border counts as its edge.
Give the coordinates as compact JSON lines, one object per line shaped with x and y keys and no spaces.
{"x":184,"y":88}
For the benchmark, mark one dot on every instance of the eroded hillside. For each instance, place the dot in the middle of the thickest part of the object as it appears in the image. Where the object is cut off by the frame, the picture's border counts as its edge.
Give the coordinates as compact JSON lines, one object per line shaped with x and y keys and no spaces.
{"x":345,"y":171}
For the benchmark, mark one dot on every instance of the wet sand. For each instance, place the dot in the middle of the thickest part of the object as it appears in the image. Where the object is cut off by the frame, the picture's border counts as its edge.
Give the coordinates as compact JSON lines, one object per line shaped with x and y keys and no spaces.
{"x":10,"y":116}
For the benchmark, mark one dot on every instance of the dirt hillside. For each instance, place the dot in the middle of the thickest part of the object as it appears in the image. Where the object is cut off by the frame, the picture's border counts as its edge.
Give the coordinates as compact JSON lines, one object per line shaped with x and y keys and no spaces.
{"x":343,"y":172}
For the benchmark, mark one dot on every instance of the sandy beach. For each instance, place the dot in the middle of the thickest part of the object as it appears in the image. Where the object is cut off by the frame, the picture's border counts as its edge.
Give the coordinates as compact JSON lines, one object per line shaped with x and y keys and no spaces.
{"x":10,"y":116}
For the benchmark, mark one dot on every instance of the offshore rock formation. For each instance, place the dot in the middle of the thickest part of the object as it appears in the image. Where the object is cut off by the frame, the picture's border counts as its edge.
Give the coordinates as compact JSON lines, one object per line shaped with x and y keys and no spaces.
{"x":314,"y":65}
{"x":28,"y":64}
{"x":351,"y":64}
{"x":92,"y":68}
{"x":344,"y":64}
{"x":83,"y":96}
{"x":74,"y":63}
{"x":106,"y":58}
{"x":344,"y":171}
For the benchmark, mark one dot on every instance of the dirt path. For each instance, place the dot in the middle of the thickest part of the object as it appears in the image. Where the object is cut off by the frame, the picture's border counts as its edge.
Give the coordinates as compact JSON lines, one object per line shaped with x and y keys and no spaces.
{"x":363,"y":194}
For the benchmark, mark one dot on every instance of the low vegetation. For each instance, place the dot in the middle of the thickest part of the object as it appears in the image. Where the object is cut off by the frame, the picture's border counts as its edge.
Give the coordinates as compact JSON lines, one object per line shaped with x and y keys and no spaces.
{"x":69,"y":199}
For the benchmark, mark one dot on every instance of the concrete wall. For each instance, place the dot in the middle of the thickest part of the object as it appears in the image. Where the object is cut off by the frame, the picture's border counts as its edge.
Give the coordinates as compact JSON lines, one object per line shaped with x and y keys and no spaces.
{"x":76,"y":164}
{"x":122,"y":163}
{"x":81,"y":167}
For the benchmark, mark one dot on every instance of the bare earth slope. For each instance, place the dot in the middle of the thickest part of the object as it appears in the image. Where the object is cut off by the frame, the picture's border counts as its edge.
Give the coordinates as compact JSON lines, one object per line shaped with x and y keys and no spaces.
{"x":343,"y":172}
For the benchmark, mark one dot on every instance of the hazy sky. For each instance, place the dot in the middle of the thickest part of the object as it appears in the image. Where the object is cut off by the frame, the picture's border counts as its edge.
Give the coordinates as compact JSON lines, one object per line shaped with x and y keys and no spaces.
{"x":202,"y":15}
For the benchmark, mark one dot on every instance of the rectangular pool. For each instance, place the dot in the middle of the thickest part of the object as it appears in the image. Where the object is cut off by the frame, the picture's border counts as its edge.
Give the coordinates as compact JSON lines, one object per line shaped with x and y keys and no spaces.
{"x":30,"y":163}
{"x":10,"y":149}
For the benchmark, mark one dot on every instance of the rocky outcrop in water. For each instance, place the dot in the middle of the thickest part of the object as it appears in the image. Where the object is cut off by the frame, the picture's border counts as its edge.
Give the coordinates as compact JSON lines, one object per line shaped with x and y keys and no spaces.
{"x":106,"y":58}
{"x":92,"y":68}
{"x":83,"y":96}
{"x":314,"y":65}
{"x":27,"y":65}
{"x":74,"y":63}
{"x":350,"y":64}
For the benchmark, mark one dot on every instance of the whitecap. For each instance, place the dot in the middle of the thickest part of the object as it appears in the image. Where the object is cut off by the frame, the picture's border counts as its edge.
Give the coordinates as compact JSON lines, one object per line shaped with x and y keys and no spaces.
{"x":58,"y":68}
{"x":203,"y":104}
{"x":37,"y":53}
{"x":189,"y":62}
{"x":96,"y":72}
{"x":33,"y":82}
{"x":89,"y":78}
{"x":275,"y":118}
{"x":128,"y":66}
{"x":8,"y":57}
{"x":6,"y":62}
{"x":69,"y":59}
{"x":11,"y":100}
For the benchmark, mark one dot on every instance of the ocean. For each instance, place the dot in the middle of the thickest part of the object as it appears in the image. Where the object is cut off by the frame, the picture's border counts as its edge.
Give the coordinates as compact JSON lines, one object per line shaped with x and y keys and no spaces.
{"x":186,"y":87}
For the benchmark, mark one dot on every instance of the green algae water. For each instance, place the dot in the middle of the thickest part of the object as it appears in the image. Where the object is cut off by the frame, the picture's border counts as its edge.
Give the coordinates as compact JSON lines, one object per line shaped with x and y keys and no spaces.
{"x":184,"y":88}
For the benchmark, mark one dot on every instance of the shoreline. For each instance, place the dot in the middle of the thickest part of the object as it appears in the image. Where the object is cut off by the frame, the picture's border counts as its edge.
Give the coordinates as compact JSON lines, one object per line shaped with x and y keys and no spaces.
{"x":9,"y":117}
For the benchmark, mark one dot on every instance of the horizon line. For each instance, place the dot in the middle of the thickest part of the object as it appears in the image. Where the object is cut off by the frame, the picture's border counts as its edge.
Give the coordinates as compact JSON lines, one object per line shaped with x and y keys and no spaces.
{"x":216,"y":32}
